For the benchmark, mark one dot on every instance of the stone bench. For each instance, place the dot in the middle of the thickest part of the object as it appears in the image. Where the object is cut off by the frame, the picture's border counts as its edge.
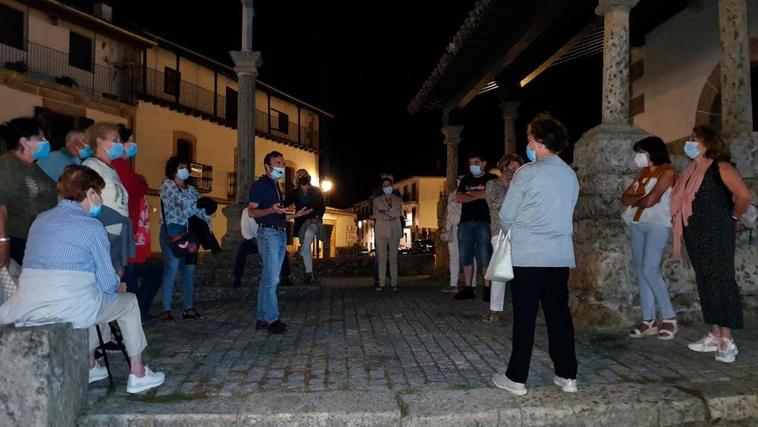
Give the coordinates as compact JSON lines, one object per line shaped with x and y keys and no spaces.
{"x":43,"y":375}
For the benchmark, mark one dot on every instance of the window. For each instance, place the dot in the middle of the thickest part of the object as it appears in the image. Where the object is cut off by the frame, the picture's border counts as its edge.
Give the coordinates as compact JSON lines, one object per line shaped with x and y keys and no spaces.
{"x":184,"y":150}
{"x":289,"y":178}
{"x":80,"y":51}
{"x":414,"y":192}
{"x":171,"y":79}
{"x":11,"y":27}
{"x":202,"y":177}
{"x":280,"y":121}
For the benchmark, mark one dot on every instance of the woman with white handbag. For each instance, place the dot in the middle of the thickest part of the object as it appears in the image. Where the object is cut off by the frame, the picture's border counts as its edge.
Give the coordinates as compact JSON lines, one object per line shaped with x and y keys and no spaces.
{"x":538,"y":214}
{"x":495,"y":191}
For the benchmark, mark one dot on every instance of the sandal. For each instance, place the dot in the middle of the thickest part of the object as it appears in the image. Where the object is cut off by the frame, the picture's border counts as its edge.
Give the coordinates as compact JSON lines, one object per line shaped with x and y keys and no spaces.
{"x":167,"y":317}
{"x":645,"y":329}
{"x":668,"y":333}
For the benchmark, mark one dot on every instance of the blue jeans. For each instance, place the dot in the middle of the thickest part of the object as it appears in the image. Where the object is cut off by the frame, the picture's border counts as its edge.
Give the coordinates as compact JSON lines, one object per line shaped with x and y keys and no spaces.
{"x":171,"y":265}
{"x":272,"y":245}
{"x":648,"y":243}
{"x":474,"y":239}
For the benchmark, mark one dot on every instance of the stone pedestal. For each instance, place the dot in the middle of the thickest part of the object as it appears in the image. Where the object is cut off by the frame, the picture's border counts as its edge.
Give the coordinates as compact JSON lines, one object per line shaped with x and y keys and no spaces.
{"x":233,"y":236}
{"x":43,"y":375}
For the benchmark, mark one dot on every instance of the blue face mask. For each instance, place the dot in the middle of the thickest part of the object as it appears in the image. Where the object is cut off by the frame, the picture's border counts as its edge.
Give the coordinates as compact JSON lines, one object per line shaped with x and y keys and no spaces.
{"x":277,"y":173}
{"x":387,"y":190}
{"x":116,"y":151}
{"x":182,"y":174}
{"x":476,"y":170}
{"x":531,"y":154}
{"x":85,"y":153}
{"x":691,"y":149}
{"x":132,"y":150}
{"x":94,"y":210}
{"x":42,"y":151}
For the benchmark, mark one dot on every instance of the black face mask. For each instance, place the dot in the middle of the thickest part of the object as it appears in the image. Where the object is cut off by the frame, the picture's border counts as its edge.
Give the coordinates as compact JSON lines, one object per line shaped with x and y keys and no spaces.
{"x":305,"y":180}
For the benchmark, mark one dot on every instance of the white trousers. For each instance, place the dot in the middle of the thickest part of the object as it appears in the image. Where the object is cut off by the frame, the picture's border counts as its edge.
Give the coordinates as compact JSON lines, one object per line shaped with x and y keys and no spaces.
{"x":123,"y":308}
{"x":307,"y":246}
{"x":497,"y":292}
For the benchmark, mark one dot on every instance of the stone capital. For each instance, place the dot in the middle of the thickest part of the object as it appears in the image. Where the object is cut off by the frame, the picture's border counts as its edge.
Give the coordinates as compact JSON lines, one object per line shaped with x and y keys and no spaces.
{"x":604,"y":6}
{"x":246,"y":62}
{"x":509,"y":108}
{"x":452,"y":134}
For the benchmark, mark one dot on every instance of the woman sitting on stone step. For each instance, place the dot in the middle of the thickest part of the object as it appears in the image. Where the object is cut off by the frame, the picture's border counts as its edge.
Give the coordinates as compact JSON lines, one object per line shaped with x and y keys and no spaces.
{"x":68,"y":277}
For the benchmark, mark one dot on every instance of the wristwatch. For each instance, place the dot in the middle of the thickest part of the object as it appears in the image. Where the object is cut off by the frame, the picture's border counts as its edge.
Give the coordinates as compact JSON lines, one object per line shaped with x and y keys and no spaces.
{"x":5,"y":239}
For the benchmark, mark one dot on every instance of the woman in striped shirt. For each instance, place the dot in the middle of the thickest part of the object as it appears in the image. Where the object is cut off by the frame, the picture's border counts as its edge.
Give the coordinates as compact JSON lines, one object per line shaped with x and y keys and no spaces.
{"x":68,"y":277}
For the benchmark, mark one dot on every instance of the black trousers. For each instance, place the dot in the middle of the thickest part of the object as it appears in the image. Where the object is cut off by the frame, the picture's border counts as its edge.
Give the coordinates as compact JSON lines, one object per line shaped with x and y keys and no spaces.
{"x":548,"y":286}
{"x":250,"y":247}
{"x":144,"y":280}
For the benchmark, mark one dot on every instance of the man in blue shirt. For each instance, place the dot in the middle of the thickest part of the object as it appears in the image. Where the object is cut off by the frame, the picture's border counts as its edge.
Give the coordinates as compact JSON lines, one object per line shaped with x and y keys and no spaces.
{"x":73,"y":153}
{"x":271,"y":216}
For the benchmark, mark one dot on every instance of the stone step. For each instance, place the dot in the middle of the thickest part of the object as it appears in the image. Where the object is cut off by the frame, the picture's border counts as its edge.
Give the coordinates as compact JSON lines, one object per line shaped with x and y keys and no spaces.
{"x":616,"y":405}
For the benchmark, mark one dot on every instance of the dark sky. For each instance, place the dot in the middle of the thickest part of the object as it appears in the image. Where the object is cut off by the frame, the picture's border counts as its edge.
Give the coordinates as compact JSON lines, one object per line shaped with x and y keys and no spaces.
{"x":362,"y":61}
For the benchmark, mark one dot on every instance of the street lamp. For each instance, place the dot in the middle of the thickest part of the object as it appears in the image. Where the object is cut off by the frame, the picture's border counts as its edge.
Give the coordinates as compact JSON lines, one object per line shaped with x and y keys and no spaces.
{"x":326,"y":185}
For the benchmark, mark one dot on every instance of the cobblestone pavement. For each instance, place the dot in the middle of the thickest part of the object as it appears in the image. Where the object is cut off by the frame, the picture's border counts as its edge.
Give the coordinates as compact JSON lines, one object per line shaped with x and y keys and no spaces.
{"x":353,"y":339}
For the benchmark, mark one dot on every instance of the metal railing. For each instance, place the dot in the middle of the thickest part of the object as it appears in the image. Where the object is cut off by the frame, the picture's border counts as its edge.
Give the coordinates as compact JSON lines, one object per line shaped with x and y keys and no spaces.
{"x":45,"y":63}
{"x":198,"y":99}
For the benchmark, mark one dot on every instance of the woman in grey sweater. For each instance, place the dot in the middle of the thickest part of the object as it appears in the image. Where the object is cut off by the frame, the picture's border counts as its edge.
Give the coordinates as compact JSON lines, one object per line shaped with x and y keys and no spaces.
{"x":538,"y":210}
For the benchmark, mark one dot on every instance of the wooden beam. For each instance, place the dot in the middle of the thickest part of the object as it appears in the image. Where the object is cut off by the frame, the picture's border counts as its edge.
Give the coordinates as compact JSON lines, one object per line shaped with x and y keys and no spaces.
{"x":562,"y":51}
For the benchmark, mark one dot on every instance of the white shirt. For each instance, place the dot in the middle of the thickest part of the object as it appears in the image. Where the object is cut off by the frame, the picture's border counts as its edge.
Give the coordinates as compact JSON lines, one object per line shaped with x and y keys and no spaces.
{"x":114,"y":194}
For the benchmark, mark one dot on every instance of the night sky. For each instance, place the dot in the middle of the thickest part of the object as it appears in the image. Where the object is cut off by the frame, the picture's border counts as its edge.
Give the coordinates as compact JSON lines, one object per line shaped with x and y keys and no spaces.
{"x":364,"y":62}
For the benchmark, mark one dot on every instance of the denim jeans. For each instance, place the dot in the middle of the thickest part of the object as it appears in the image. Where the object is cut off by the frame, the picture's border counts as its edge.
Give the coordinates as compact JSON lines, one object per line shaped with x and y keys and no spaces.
{"x":272,"y":246}
{"x":648,"y":243}
{"x":474,"y":240}
{"x":250,"y":247}
{"x":172,"y":265}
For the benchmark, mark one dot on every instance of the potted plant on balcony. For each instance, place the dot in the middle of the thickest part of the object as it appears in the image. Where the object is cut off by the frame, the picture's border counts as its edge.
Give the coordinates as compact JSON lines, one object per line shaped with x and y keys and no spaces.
{"x":19,"y":66}
{"x":66,"y":81}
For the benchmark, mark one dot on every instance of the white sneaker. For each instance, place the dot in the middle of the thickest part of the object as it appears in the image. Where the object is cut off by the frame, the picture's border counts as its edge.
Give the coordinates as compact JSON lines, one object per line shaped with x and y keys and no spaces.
{"x":502,"y":381}
{"x":708,"y":344}
{"x":150,"y":380}
{"x":567,"y":385}
{"x":97,"y":373}
{"x":727,"y":352}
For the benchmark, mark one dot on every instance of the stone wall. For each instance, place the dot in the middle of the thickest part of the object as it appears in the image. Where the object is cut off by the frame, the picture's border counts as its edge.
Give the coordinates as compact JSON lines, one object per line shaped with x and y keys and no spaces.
{"x":43,"y":375}
{"x":408,"y":265}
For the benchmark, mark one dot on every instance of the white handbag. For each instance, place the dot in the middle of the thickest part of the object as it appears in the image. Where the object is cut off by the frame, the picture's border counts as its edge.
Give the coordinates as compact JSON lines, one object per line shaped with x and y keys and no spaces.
{"x":9,"y":281}
{"x":501,"y":264}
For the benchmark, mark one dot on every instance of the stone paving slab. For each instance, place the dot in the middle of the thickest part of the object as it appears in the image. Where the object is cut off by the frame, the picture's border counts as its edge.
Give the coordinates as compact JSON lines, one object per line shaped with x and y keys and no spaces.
{"x":403,"y":348}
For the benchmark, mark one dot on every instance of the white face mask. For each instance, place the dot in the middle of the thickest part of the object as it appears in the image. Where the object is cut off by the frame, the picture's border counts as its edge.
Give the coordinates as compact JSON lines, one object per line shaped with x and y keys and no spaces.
{"x":641,"y":160}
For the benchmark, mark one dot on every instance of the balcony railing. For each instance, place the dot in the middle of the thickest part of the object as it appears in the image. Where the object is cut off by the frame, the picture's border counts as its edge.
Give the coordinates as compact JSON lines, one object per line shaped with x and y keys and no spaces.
{"x":44,"y":63}
{"x":197,"y":100}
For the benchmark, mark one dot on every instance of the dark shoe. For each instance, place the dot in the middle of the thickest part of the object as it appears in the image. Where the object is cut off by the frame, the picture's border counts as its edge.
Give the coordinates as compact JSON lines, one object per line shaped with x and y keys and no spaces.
{"x":310,"y":278}
{"x":277,"y":327}
{"x":466,"y":293}
{"x":378,"y":289}
{"x":395,"y":289}
{"x":167,"y":317}
{"x":192,"y":314}
{"x":237,"y":283}
{"x":111,"y":346}
{"x":260,"y":324}
{"x":450,"y":290}
{"x":486,"y":294}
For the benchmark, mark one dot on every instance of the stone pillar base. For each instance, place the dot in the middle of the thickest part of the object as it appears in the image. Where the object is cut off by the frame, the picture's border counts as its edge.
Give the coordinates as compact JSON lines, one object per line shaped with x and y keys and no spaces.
{"x":233,"y":236}
{"x":604,"y":287}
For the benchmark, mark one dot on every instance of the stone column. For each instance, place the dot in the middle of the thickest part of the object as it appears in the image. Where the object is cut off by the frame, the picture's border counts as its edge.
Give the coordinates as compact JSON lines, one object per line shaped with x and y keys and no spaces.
{"x":509,"y":110}
{"x":604,"y":280}
{"x":452,"y":139}
{"x":615,"y":59}
{"x":246,"y":66}
{"x":736,"y":102}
